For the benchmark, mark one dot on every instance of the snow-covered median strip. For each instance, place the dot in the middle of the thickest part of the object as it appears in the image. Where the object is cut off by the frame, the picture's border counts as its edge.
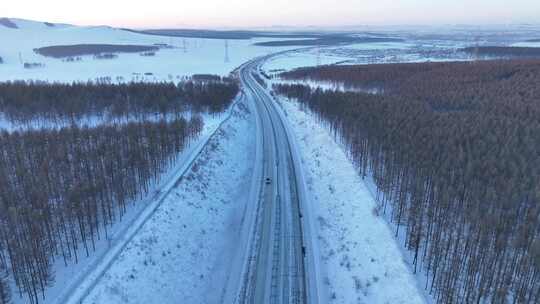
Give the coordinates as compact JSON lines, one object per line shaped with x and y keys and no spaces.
{"x":361,"y":261}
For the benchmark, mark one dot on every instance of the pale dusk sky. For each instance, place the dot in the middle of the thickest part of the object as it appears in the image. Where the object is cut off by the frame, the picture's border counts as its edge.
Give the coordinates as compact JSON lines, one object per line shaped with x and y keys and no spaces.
{"x":260,"y":13}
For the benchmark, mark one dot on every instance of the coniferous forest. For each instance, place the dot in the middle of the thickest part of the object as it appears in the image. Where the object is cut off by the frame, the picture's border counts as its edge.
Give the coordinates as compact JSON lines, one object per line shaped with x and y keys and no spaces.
{"x":62,"y":188}
{"x":21,"y":102}
{"x":454,"y":152}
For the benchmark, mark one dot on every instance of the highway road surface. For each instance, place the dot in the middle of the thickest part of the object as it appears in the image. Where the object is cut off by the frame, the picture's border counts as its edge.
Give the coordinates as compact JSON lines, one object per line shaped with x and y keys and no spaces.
{"x":275,"y":270}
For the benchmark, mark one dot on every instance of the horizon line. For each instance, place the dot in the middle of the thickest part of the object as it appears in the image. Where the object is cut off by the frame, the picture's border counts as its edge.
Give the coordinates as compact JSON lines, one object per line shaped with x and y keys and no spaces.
{"x":260,"y":27}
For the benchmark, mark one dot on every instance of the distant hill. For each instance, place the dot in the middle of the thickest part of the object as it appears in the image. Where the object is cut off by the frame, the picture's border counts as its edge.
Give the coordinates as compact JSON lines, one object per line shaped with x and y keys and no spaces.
{"x":8,"y":23}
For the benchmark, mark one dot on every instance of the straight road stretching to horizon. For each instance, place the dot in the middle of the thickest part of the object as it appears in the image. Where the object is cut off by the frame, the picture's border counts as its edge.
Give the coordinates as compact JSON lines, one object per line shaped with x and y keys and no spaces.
{"x":276,"y":270}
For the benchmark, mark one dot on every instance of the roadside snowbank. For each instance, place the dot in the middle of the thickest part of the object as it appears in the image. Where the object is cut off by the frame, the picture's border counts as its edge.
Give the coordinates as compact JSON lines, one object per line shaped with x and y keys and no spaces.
{"x":182,"y":251}
{"x":362,"y":261}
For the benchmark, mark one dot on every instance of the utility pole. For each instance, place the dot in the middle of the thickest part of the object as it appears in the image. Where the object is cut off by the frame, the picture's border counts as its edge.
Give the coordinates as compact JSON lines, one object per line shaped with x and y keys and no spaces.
{"x":476,"y":53}
{"x":227,"y":59}
{"x":318,"y":55}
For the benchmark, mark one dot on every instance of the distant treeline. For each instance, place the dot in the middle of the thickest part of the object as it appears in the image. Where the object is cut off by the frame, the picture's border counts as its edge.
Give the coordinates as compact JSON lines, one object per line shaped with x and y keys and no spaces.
{"x":454,"y":150}
{"x":60,"y":191}
{"x":329,"y":40}
{"x":62,"y":51}
{"x":230,"y":35}
{"x":26,"y":101}
{"x":504,"y":51}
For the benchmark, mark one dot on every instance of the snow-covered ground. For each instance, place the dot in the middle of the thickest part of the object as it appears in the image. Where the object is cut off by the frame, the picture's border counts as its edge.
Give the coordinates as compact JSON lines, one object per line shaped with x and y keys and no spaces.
{"x":189,"y":55}
{"x":181,"y":254}
{"x":361,"y":259}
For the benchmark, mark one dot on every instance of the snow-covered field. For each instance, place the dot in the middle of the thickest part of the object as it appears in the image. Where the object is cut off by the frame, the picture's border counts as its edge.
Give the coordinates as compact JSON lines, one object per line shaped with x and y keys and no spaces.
{"x":189,"y":55}
{"x":361,"y":259}
{"x":368,"y":53}
{"x":181,"y":253}
{"x":92,"y":121}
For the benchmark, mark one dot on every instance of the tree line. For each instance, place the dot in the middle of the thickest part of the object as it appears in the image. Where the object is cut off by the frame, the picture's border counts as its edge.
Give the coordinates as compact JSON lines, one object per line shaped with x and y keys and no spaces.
{"x":454,"y":151}
{"x":22,"y":102}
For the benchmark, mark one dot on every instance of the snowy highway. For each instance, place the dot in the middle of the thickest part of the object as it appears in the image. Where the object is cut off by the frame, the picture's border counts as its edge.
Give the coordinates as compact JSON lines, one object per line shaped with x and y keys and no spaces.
{"x":245,"y":166}
{"x":276,"y":268}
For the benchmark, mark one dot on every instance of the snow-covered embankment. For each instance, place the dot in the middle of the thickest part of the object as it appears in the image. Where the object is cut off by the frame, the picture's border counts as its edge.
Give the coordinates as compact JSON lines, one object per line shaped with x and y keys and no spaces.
{"x":177,"y":254}
{"x":361,"y":260}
